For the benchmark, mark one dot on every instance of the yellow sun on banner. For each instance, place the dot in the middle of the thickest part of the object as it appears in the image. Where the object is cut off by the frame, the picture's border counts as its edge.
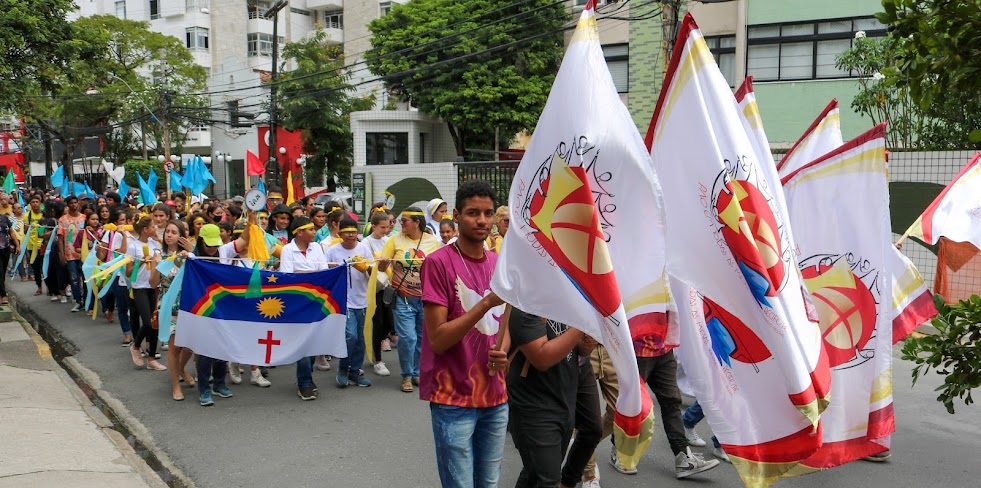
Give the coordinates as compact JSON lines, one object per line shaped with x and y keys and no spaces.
{"x":270,"y":308}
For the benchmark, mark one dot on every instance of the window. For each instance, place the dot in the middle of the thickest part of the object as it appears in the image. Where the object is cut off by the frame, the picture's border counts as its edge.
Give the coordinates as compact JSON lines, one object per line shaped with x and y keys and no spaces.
{"x":121,"y":9}
{"x":617,"y":60}
{"x":154,"y":9}
{"x":384,"y":8}
{"x":197,"y":4}
{"x":256,"y":9}
{"x":803,"y":50}
{"x":261,"y":44}
{"x":724,"y":51}
{"x":387,"y":148}
{"x":197,"y":38}
{"x":333,"y":21}
{"x":300,"y":11}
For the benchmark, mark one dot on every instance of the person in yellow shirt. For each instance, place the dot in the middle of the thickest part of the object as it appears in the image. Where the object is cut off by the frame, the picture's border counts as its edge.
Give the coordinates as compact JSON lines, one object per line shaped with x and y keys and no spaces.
{"x":502,"y":219}
{"x":37,"y":237}
{"x":405,"y":252}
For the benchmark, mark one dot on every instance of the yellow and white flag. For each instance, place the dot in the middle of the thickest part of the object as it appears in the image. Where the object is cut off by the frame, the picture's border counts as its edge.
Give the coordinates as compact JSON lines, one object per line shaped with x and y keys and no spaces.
{"x":586,"y":242}
{"x":822,"y":137}
{"x":956,"y":212}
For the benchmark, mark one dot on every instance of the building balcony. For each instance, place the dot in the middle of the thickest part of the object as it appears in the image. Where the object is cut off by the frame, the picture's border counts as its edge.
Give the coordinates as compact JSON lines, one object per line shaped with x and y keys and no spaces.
{"x":335,"y":33}
{"x":325,"y":4}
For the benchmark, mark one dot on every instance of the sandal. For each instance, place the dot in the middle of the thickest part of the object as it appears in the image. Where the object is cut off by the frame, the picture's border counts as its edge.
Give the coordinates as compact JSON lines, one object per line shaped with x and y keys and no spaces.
{"x":177,"y":395}
{"x":38,"y":292}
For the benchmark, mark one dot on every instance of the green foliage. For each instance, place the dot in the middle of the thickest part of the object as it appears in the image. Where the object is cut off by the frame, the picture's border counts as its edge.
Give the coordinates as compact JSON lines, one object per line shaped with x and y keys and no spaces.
{"x":143,"y":168}
{"x":320,"y":105}
{"x":434,"y":54}
{"x":945,"y":124}
{"x":953,"y":352}
{"x":108,"y":81}
{"x":943,"y":38}
{"x":37,"y":41}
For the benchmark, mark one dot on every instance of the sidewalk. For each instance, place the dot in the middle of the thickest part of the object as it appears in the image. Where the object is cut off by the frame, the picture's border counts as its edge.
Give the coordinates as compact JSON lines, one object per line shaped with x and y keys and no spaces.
{"x":52,"y":435}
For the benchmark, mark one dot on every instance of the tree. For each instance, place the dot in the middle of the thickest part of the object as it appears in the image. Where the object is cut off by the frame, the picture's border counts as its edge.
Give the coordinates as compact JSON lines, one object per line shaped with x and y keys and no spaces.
{"x":316,"y":98}
{"x":480,"y":65}
{"x":37,"y":41}
{"x":944,"y":124}
{"x":113,"y":75}
{"x":943,"y":38}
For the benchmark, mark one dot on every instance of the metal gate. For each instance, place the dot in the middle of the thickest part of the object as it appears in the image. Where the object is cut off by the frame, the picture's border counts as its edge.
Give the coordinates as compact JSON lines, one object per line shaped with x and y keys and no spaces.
{"x":499,"y":174}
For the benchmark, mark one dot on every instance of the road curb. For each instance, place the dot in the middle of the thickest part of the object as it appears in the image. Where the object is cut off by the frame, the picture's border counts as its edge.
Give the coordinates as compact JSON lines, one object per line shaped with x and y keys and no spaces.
{"x":38,"y":328}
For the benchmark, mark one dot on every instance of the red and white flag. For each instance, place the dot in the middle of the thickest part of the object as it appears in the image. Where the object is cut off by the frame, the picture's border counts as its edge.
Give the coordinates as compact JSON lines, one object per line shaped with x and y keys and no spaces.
{"x":822,"y":137}
{"x":586,"y":242}
{"x":748,"y":344}
{"x":839,"y":209}
{"x":956,"y":212}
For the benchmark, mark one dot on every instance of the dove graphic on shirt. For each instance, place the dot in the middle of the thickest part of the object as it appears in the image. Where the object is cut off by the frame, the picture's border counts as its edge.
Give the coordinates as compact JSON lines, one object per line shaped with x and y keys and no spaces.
{"x":491,"y":321}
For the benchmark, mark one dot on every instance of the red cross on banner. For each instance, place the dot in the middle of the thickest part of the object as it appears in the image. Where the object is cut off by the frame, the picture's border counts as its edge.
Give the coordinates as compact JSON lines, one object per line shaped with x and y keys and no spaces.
{"x":269,"y":342}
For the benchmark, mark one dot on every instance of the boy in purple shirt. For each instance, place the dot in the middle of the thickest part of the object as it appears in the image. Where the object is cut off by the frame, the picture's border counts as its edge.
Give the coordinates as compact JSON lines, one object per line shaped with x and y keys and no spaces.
{"x":461,"y":371}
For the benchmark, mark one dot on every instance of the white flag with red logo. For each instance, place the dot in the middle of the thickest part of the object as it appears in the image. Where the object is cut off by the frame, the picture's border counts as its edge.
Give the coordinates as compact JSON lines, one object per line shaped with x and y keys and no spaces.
{"x":956,"y":212}
{"x":822,"y":137}
{"x":586,"y":242}
{"x":748,"y":343}
{"x":839,"y":208}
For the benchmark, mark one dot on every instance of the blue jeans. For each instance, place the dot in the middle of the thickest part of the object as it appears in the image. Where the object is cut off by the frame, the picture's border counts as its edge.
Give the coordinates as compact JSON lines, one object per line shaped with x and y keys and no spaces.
{"x":408,"y":325}
{"x":120,"y":296}
{"x":354,"y":334}
{"x":304,"y":372}
{"x":692,"y":416}
{"x":74,"y":278}
{"x":469,"y":444}
{"x":215,"y":368}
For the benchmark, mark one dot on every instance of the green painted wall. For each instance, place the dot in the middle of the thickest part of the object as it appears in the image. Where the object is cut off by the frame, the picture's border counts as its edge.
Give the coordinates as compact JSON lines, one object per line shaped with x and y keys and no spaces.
{"x":773,"y":11}
{"x":646,"y":70}
{"x":788,"y":108}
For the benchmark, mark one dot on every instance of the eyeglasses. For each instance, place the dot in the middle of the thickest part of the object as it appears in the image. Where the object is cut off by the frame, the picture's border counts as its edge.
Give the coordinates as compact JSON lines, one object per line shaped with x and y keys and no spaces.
{"x":405,"y":221}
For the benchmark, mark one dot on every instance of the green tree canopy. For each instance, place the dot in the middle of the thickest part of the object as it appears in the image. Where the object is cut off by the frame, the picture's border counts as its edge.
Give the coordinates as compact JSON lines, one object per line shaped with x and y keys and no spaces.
{"x":477,"y":64}
{"x":37,"y":41}
{"x":943,"y":40}
{"x":317,"y":98}
{"x":113,"y":76}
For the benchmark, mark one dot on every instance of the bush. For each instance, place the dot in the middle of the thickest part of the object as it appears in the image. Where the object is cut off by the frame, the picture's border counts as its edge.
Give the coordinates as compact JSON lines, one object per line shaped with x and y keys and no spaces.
{"x":143,"y":168}
{"x":953,"y":352}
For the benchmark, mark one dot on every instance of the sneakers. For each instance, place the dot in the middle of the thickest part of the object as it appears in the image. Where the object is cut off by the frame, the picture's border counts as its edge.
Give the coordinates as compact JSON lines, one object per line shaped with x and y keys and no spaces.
{"x":54,"y":298}
{"x":593,"y":483}
{"x":341,"y":378}
{"x":205,"y":400}
{"x":407,"y":385}
{"x":223,"y":392}
{"x":721,"y":454}
{"x":381,"y":369}
{"x":63,"y":299}
{"x":322,"y":363}
{"x":234,"y":375}
{"x":259,"y":380}
{"x":386,"y":345}
{"x":154,"y":365}
{"x":77,"y":307}
{"x":687,"y":464}
{"x":693,"y":438}
{"x":306,"y":393}
{"x":615,"y":462}
{"x":165,"y":346}
{"x":359,"y":379}
{"x":878,"y":458}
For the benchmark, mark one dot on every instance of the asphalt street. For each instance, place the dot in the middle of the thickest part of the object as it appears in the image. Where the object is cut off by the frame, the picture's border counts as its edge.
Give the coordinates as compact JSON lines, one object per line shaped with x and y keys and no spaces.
{"x":379,"y":436}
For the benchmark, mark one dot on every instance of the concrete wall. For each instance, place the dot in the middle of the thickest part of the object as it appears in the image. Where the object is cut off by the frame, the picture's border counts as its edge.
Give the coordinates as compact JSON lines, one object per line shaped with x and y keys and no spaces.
{"x":408,"y":184}
{"x":773,"y":11}
{"x":789,"y":107}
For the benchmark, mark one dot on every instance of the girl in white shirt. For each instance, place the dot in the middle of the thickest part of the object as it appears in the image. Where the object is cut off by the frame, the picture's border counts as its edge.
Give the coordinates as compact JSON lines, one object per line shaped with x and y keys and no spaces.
{"x":142,"y":250}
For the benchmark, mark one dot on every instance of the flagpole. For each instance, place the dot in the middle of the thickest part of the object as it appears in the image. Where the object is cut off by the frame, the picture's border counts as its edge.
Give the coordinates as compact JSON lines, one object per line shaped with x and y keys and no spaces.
{"x":502,"y":332}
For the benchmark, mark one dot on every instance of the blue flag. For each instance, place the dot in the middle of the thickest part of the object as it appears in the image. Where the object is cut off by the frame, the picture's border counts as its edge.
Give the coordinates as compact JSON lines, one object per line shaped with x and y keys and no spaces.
{"x":66,"y":188}
{"x":147,"y":194}
{"x":196,"y":176}
{"x":78,"y":189}
{"x":175,"y":181}
{"x":123,"y":189}
{"x":58,"y":177}
{"x":262,"y":187}
{"x":20,"y":199}
{"x":296,"y":315}
{"x":151,"y":180}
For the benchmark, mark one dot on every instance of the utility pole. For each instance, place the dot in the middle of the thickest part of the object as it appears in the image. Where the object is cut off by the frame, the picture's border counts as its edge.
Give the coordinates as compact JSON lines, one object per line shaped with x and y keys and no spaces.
{"x":272,"y":164}
{"x":166,"y":128}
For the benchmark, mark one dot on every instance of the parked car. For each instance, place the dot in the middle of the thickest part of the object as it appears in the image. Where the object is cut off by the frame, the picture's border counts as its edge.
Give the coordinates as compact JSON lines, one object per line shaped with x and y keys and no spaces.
{"x":344,"y":198}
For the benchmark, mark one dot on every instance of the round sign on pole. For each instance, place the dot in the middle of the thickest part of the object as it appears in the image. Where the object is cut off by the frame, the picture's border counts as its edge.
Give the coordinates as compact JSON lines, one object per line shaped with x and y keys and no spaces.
{"x":168,"y":166}
{"x":255,"y":200}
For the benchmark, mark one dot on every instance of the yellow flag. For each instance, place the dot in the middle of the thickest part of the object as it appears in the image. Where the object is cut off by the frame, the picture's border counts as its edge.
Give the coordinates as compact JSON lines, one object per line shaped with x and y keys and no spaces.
{"x":370,"y":313}
{"x":85,"y":244}
{"x":258,"y":250}
{"x":289,"y":189}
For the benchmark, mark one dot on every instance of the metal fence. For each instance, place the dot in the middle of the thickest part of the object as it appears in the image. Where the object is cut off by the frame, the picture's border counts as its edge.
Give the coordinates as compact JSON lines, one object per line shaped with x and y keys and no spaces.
{"x":916,"y":178}
{"x":498,"y":173}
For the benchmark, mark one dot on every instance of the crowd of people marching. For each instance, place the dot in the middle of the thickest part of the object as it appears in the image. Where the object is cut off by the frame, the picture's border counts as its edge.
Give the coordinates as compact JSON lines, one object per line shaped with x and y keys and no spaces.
{"x":543,"y":384}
